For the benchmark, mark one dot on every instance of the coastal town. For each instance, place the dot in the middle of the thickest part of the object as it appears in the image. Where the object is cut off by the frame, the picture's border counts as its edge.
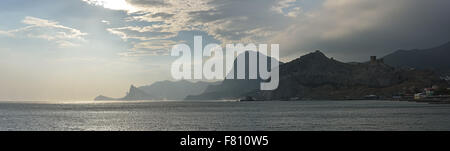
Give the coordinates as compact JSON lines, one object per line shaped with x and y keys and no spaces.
{"x":432,"y":95}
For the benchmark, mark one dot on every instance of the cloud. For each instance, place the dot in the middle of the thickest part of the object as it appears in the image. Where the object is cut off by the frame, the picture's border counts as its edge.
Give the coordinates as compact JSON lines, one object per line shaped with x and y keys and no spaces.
{"x":227,"y":21}
{"x":106,"y":22}
{"x":6,"y":33}
{"x":49,"y":30}
{"x":347,"y":29}
{"x":145,"y":41}
{"x":112,"y":4}
{"x":233,"y":21}
{"x":149,"y":48}
{"x":163,"y":20}
{"x":354,"y":29}
{"x":149,"y":3}
{"x":287,"y":8}
{"x":141,"y":33}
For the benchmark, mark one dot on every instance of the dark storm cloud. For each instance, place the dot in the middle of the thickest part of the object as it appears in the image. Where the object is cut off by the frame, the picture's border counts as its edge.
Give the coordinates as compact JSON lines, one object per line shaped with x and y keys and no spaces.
{"x":354,"y":29}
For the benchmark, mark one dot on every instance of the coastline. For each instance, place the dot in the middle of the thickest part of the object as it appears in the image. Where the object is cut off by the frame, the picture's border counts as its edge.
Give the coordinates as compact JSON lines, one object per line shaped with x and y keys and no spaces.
{"x":429,"y":101}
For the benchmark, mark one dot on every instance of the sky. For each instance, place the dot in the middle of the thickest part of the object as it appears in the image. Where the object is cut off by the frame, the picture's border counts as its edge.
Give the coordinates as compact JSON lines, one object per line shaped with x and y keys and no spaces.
{"x":78,"y":49}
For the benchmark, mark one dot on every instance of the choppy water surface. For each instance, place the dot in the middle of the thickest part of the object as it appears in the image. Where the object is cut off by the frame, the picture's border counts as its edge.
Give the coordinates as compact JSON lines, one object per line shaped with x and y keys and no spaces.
{"x":220,"y":115}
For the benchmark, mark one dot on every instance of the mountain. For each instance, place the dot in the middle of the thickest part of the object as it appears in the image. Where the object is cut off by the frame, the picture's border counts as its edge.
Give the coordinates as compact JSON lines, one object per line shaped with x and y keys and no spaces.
{"x":103,"y":98}
{"x":312,"y":76}
{"x":163,"y":90}
{"x":234,"y":88}
{"x":169,"y":90}
{"x":137,"y":94}
{"x":315,"y":76}
{"x":434,"y":58}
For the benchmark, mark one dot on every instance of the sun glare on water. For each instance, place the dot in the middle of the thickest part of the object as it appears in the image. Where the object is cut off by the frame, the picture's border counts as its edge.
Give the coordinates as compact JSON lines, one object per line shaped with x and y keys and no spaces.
{"x":113,"y":4}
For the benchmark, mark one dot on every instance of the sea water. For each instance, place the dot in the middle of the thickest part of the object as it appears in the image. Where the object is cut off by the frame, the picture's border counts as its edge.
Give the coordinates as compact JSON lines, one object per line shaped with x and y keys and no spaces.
{"x":223,"y":116}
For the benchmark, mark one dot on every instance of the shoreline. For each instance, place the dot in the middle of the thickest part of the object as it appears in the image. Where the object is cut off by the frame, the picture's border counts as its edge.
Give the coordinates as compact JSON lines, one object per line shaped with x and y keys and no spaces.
{"x":429,"y":101}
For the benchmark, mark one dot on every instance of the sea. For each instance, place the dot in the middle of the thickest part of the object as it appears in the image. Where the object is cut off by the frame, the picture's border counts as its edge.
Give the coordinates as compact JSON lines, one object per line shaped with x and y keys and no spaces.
{"x":223,"y":116}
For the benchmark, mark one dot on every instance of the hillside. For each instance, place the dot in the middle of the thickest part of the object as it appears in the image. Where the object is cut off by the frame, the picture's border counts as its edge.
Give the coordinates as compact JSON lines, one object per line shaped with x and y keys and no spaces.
{"x":436,"y":58}
{"x":315,"y":76}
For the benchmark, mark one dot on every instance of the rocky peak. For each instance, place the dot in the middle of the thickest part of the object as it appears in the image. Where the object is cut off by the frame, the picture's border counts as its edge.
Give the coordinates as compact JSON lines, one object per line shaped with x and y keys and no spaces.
{"x":136,"y":94}
{"x":317,"y":55}
{"x":315,"y":62}
{"x":132,"y":88}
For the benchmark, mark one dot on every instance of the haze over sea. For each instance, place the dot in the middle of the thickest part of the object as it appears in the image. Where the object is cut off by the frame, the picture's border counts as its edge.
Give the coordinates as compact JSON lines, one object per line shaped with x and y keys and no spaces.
{"x":224,"y":115}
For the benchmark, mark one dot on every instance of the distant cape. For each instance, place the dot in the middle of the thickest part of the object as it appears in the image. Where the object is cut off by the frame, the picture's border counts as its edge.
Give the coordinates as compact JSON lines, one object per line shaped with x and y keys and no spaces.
{"x":164,"y":90}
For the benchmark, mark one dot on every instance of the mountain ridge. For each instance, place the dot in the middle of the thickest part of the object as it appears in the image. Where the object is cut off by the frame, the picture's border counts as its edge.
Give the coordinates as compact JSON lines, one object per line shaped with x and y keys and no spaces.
{"x":312,"y":76}
{"x":162,"y":90}
{"x":315,"y":76}
{"x":435,"y":58}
